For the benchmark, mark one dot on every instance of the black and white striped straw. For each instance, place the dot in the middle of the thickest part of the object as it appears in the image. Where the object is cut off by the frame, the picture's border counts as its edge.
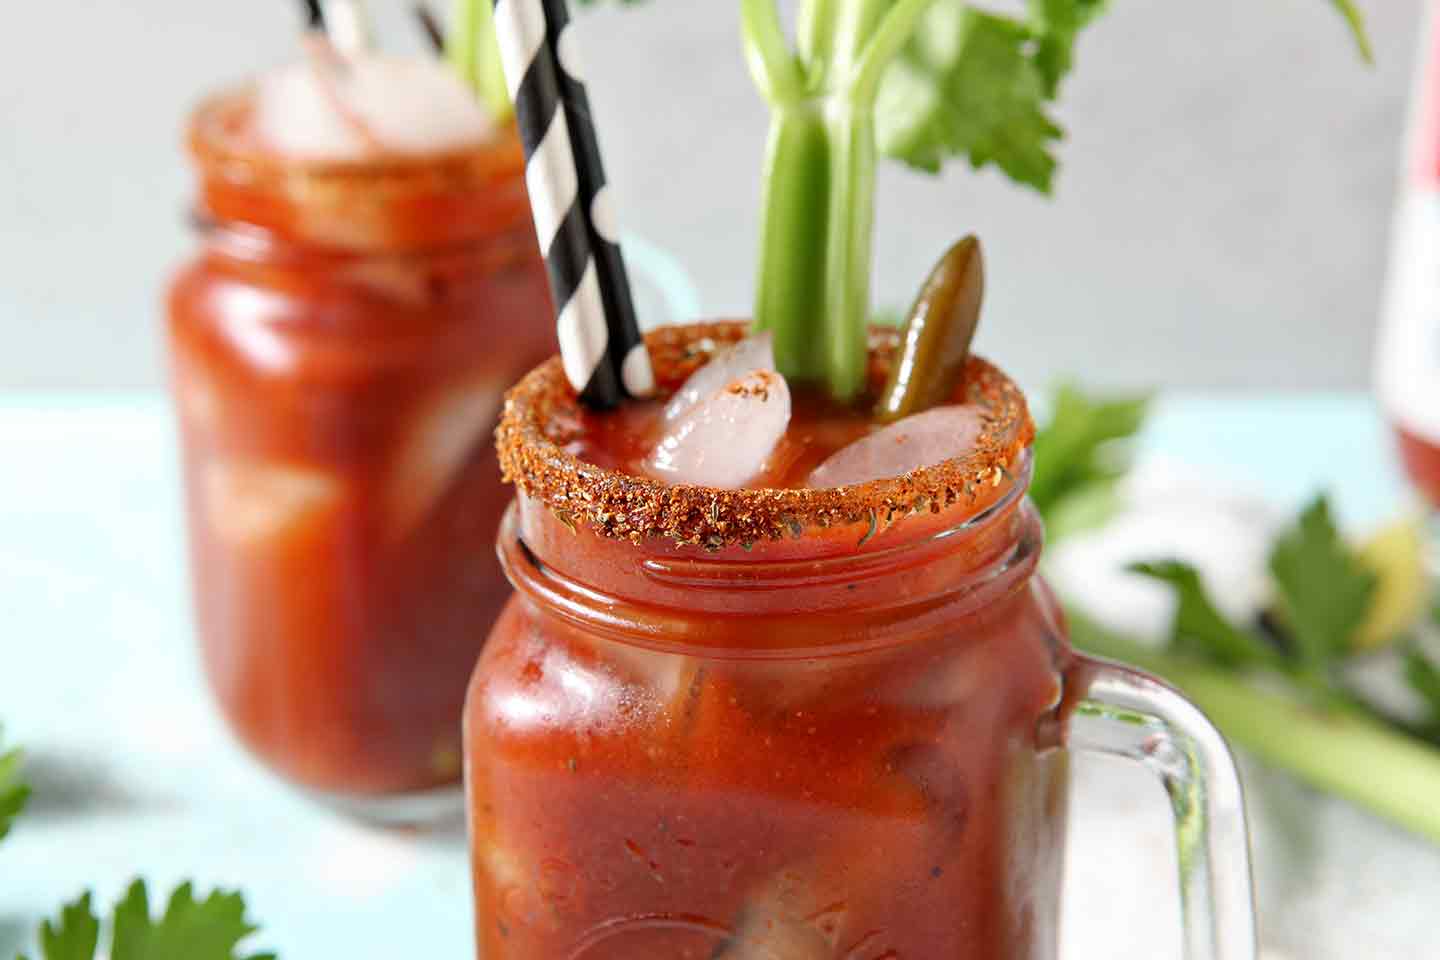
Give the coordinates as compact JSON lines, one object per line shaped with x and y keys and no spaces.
{"x":600,"y":344}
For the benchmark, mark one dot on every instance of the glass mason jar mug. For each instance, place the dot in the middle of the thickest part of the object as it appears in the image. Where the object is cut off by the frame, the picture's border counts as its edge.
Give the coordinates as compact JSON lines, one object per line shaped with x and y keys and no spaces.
{"x":340,"y":348}
{"x":800,"y":723}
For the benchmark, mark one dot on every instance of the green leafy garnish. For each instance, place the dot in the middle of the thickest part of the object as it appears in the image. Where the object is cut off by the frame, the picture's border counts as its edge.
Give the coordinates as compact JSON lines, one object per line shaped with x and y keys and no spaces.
{"x":1080,"y":452}
{"x":971,"y":84}
{"x":922,"y":81}
{"x":190,"y":929}
{"x":74,"y":936}
{"x":1323,"y":594}
{"x":1199,"y":628}
{"x":1056,"y":24}
{"x":1324,"y":591}
{"x":13,"y":791}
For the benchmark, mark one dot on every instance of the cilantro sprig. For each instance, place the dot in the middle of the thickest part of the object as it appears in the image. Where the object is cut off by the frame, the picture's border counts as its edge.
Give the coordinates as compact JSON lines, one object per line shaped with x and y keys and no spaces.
{"x":14,"y":792}
{"x":212,"y":928}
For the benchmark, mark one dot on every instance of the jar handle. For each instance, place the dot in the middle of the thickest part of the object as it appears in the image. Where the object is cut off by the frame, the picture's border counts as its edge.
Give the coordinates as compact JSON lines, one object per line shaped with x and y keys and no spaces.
{"x":1122,"y":712}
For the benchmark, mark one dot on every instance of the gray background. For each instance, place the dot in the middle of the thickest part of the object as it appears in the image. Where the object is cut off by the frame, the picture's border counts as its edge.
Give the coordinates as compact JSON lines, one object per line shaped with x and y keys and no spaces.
{"x":1220,"y":217}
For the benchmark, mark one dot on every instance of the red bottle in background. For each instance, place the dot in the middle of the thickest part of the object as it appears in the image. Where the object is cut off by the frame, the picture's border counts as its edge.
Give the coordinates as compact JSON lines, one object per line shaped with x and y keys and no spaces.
{"x":1407,"y":358}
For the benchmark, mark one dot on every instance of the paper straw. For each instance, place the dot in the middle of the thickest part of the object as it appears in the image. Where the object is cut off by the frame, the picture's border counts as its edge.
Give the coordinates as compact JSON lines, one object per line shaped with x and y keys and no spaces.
{"x":314,"y":15}
{"x":600,"y":344}
{"x":345,"y":25}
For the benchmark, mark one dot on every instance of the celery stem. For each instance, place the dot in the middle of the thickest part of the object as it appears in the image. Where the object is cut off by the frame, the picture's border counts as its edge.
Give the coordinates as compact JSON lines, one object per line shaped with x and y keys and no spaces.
{"x":813,"y":291}
{"x":473,"y":51}
{"x":850,"y":227}
{"x":1342,"y":752}
{"x":790,"y":296}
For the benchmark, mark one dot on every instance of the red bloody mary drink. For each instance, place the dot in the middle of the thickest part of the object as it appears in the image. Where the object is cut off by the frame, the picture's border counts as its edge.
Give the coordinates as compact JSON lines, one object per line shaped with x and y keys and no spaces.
{"x":780,"y":719}
{"x":340,"y":346}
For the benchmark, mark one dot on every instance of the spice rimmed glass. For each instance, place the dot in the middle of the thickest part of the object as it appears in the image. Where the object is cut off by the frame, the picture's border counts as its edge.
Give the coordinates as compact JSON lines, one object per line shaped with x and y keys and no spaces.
{"x":800,"y":724}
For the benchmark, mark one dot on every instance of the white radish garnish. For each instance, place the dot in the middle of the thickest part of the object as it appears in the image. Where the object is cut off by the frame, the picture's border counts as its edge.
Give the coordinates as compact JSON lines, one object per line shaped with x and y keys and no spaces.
{"x":755,"y":352}
{"x":352,"y":108}
{"x":725,"y":439}
{"x":923,"y":440}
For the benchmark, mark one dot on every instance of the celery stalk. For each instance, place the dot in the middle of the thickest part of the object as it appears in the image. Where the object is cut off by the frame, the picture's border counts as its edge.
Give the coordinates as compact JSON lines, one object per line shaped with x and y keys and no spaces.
{"x":813,"y":289}
{"x":474,"y":52}
{"x":791,"y":295}
{"x":1339,"y":751}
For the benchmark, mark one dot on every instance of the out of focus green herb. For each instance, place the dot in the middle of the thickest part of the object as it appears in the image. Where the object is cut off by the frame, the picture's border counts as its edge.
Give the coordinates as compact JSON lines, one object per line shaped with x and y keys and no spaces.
{"x":189,"y":929}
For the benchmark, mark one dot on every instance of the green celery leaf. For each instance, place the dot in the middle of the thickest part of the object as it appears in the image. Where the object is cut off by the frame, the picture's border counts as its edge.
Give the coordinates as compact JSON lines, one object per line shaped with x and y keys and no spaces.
{"x":1324,"y":590}
{"x":1056,"y":24}
{"x":1077,"y":452}
{"x":13,"y":791}
{"x":75,"y":936}
{"x":1424,"y":678}
{"x":1199,"y":628}
{"x":968,"y":84}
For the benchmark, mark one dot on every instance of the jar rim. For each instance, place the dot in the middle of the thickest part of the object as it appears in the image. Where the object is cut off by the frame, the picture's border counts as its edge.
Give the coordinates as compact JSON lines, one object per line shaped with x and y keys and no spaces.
{"x":542,"y":416}
{"x":392,"y":202}
{"x":215,"y":141}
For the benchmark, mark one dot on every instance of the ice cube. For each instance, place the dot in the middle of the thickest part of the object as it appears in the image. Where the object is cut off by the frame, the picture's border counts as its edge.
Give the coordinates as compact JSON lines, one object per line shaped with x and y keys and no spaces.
{"x":922,"y":440}
{"x":435,"y":445}
{"x":755,"y":352}
{"x":252,"y":503}
{"x":724,"y":439}
{"x":352,"y":108}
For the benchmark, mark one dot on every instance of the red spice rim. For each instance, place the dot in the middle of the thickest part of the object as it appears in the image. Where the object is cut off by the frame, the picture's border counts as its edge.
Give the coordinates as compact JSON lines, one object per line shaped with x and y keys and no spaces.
{"x":215,"y":145}
{"x":542,"y":415}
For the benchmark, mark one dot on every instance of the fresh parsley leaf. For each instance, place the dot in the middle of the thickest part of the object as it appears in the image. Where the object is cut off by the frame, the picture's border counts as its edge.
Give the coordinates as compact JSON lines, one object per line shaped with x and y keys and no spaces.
{"x":190,"y":929}
{"x":968,"y":84}
{"x":75,"y":936}
{"x":13,"y":791}
{"x":1324,"y":591}
{"x":1424,"y":678}
{"x":1056,"y":24}
{"x":1078,"y":452}
{"x":1199,"y":628}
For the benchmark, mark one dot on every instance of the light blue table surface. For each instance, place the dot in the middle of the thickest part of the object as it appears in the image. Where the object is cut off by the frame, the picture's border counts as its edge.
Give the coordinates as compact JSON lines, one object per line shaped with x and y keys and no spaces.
{"x":136,"y":775}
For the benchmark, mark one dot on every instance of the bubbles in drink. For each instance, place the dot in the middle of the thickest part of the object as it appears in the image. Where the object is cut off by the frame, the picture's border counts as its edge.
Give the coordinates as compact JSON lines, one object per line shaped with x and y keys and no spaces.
{"x":725,"y":438}
{"x":922,"y":440}
{"x":755,"y":352}
{"x":353,"y":108}
{"x":255,"y":503}
{"x":436,"y":445}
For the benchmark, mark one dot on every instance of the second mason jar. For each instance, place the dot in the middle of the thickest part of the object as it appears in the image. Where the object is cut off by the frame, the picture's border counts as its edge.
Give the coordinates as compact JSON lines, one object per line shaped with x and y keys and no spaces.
{"x":341,"y":344}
